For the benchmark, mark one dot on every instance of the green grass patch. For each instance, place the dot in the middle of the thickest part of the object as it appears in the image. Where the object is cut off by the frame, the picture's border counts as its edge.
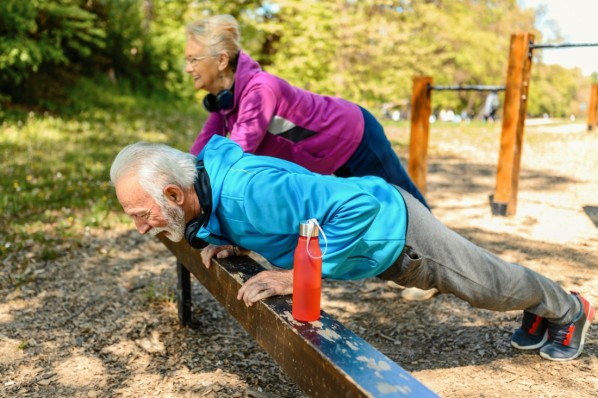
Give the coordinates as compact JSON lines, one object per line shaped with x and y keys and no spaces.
{"x":55,"y":179}
{"x":159,"y":294}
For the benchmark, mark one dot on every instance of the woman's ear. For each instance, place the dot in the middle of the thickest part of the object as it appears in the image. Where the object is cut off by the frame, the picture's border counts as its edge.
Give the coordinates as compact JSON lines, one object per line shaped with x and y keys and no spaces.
{"x":174,"y":193}
{"x":223,"y":61}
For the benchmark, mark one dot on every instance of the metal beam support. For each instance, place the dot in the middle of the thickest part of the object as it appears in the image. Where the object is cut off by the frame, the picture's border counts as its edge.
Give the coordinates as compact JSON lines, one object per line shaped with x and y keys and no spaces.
{"x":561,"y":45}
{"x":184,"y":294}
{"x":324,"y":358}
{"x":467,"y":87}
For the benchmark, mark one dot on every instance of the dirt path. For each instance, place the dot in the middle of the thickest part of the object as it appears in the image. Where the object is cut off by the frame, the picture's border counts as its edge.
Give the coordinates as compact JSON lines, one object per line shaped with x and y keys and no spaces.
{"x":100,"y":321}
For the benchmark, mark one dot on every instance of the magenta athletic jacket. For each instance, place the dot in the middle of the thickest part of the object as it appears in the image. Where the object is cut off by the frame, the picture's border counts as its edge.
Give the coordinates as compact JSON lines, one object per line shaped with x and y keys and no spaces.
{"x":270,"y":117}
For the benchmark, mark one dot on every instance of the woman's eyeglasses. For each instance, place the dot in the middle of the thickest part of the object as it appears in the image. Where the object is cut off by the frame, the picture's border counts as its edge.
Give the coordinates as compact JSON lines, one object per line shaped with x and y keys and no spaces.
{"x":193,"y":61}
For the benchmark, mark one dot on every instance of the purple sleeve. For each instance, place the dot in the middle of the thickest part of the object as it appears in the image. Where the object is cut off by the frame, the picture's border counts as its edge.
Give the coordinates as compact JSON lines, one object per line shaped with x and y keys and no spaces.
{"x":214,"y":125}
{"x":256,"y":110}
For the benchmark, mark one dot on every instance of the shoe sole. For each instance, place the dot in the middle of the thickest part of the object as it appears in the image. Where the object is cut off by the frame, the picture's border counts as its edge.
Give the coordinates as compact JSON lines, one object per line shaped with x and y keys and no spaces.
{"x":531,"y":347}
{"x":415,"y":294}
{"x":586,"y":327}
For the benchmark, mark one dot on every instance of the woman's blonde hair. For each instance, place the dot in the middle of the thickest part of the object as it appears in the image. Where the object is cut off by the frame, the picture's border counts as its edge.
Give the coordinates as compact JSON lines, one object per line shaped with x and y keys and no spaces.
{"x":219,"y":34}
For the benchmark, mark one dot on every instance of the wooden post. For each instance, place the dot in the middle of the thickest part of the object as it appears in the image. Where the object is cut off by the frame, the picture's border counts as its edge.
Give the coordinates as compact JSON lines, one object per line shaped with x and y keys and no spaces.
{"x":593,"y":107}
{"x":504,"y":200}
{"x":420,"y":131}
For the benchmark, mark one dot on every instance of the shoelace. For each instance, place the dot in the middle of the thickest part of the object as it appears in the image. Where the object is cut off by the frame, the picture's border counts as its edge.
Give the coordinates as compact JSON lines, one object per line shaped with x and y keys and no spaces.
{"x":561,"y":334}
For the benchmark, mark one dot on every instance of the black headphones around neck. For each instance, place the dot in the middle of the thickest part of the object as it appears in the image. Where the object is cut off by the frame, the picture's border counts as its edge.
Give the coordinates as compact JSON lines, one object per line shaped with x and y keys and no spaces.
{"x":224,"y":100}
{"x":204,"y":195}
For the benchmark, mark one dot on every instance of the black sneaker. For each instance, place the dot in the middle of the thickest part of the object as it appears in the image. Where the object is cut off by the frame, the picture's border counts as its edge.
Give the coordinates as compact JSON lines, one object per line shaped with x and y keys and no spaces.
{"x":566,"y":341}
{"x":532,"y":334}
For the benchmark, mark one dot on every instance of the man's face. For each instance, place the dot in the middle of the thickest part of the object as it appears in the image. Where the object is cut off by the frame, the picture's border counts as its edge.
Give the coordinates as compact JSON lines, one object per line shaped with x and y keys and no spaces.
{"x":149,"y":216}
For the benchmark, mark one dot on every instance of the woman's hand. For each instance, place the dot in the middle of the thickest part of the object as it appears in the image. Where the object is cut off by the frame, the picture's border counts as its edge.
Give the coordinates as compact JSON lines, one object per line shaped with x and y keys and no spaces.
{"x":266,"y":284}
{"x":224,"y":251}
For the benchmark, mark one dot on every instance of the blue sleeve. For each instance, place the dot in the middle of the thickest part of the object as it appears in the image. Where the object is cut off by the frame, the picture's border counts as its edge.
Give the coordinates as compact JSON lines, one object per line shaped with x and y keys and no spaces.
{"x":276,"y":201}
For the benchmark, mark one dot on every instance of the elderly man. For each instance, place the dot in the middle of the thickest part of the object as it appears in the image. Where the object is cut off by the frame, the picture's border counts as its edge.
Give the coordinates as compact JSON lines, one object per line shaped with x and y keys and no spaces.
{"x":231,"y":199}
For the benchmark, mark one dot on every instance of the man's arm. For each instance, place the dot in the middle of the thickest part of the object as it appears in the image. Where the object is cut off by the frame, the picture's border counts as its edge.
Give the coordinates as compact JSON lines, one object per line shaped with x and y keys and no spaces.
{"x":266,"y":284}
{"x":263,"y":285}
{"x":278,"y":201}
{"x":224,"y":251}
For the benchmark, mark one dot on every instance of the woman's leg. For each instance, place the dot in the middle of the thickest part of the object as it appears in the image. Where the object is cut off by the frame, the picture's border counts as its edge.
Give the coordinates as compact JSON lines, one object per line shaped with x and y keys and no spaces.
{"x":375,"y":156}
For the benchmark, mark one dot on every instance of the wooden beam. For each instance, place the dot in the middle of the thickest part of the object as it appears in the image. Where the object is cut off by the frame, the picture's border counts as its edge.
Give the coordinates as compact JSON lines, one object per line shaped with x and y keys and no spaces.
{"x":504,"y":199}
{"x":324,"y":358}
{"x":593,"y":107}
{"x":421,"y":109}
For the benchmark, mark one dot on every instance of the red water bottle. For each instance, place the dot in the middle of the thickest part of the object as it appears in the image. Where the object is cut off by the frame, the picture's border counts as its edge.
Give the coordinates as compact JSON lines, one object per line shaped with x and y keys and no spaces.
{"x":307,"y":274}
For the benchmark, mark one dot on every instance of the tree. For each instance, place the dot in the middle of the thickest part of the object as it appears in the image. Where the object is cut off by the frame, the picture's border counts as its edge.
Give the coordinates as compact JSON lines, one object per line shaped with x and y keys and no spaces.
{"x":38,"y":37}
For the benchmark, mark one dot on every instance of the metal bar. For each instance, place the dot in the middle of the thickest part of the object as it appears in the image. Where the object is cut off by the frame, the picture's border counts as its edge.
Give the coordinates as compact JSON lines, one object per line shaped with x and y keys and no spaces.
{"x":562,"y":45}
{"x":183,"y":294}
{"x":324,"y":358}
{"x":467,"y":87}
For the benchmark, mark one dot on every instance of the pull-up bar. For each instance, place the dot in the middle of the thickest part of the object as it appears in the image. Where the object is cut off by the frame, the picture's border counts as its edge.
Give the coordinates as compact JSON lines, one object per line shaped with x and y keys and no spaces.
{"x":466,"y":87}
{"x":421,"y":110}
{"x":533,"y":46}
{"x":504,"y":199}
{"x":550,"y":46}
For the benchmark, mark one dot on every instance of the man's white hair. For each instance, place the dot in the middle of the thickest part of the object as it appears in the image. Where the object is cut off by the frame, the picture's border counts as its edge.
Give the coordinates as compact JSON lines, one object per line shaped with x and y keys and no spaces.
{"x":157,"y":166}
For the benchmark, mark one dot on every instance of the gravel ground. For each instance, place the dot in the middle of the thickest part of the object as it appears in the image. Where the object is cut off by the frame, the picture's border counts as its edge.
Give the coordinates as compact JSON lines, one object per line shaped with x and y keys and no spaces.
{"x":101,"y":321}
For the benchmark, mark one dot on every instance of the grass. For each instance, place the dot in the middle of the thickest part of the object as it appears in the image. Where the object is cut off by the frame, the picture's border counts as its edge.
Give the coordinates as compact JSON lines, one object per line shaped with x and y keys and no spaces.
{"x":159,"y":294}
{"x":55,"y":179}
{"x":485,"y":136}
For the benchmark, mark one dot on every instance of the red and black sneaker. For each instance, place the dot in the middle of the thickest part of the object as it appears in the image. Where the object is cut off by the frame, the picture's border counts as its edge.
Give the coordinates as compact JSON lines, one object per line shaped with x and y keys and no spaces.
{"x":566,"y":341}
{"x":532,"y":334}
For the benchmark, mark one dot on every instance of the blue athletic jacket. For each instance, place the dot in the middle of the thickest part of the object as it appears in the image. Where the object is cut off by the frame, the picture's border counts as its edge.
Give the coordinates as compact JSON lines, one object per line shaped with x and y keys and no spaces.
{"x":259,"y":201}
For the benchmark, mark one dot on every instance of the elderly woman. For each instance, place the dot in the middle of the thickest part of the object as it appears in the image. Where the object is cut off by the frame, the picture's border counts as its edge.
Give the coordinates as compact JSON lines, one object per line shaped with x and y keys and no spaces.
{"x":266,"y":115}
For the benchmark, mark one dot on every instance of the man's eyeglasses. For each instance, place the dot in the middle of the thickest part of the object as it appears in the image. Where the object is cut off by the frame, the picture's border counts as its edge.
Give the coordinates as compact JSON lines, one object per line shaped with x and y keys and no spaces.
{"x":193,"y":61}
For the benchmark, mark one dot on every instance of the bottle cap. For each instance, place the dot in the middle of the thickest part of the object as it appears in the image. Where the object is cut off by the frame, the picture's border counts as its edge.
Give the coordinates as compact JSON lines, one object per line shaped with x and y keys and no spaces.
{"x":304,"y":229}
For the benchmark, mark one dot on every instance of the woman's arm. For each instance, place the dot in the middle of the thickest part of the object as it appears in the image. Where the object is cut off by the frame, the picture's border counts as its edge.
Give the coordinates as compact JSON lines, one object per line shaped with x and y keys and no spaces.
{"x":256,"y":110}
{"x":214,"y":125}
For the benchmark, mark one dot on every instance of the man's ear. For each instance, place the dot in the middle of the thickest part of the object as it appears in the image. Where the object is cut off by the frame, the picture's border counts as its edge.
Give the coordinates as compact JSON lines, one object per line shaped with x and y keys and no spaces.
{"x":174,"y":193}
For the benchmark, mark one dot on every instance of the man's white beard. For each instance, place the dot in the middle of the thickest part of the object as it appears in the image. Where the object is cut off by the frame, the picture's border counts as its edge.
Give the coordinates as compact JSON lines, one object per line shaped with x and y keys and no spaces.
{"x":175,"y":219}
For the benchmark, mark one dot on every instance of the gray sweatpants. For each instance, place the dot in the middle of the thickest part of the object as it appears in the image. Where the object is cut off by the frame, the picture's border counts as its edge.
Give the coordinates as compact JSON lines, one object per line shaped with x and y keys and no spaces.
{"x":437,"y":257}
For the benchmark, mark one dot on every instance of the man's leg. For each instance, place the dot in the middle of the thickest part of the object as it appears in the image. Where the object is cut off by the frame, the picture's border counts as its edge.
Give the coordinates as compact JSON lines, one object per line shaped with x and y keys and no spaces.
{"x":438,"y":257}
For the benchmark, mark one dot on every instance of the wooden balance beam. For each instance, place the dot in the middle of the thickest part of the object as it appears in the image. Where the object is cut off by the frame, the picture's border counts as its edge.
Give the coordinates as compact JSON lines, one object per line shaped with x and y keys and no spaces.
{"x":324,"y":358}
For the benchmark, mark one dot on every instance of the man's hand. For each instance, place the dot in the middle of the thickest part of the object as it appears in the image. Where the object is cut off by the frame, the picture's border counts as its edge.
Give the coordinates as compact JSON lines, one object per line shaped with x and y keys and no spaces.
{"x":208,"y":252}
{"x":266,"y":284}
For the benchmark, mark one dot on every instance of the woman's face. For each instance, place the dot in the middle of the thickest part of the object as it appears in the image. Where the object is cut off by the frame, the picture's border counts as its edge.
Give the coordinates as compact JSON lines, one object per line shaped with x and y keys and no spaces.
{"x":202,"y":67}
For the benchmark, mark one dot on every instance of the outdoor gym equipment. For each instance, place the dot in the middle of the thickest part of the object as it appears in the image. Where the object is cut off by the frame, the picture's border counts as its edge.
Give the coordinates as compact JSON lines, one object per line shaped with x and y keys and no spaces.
{"x":503,"y":201}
